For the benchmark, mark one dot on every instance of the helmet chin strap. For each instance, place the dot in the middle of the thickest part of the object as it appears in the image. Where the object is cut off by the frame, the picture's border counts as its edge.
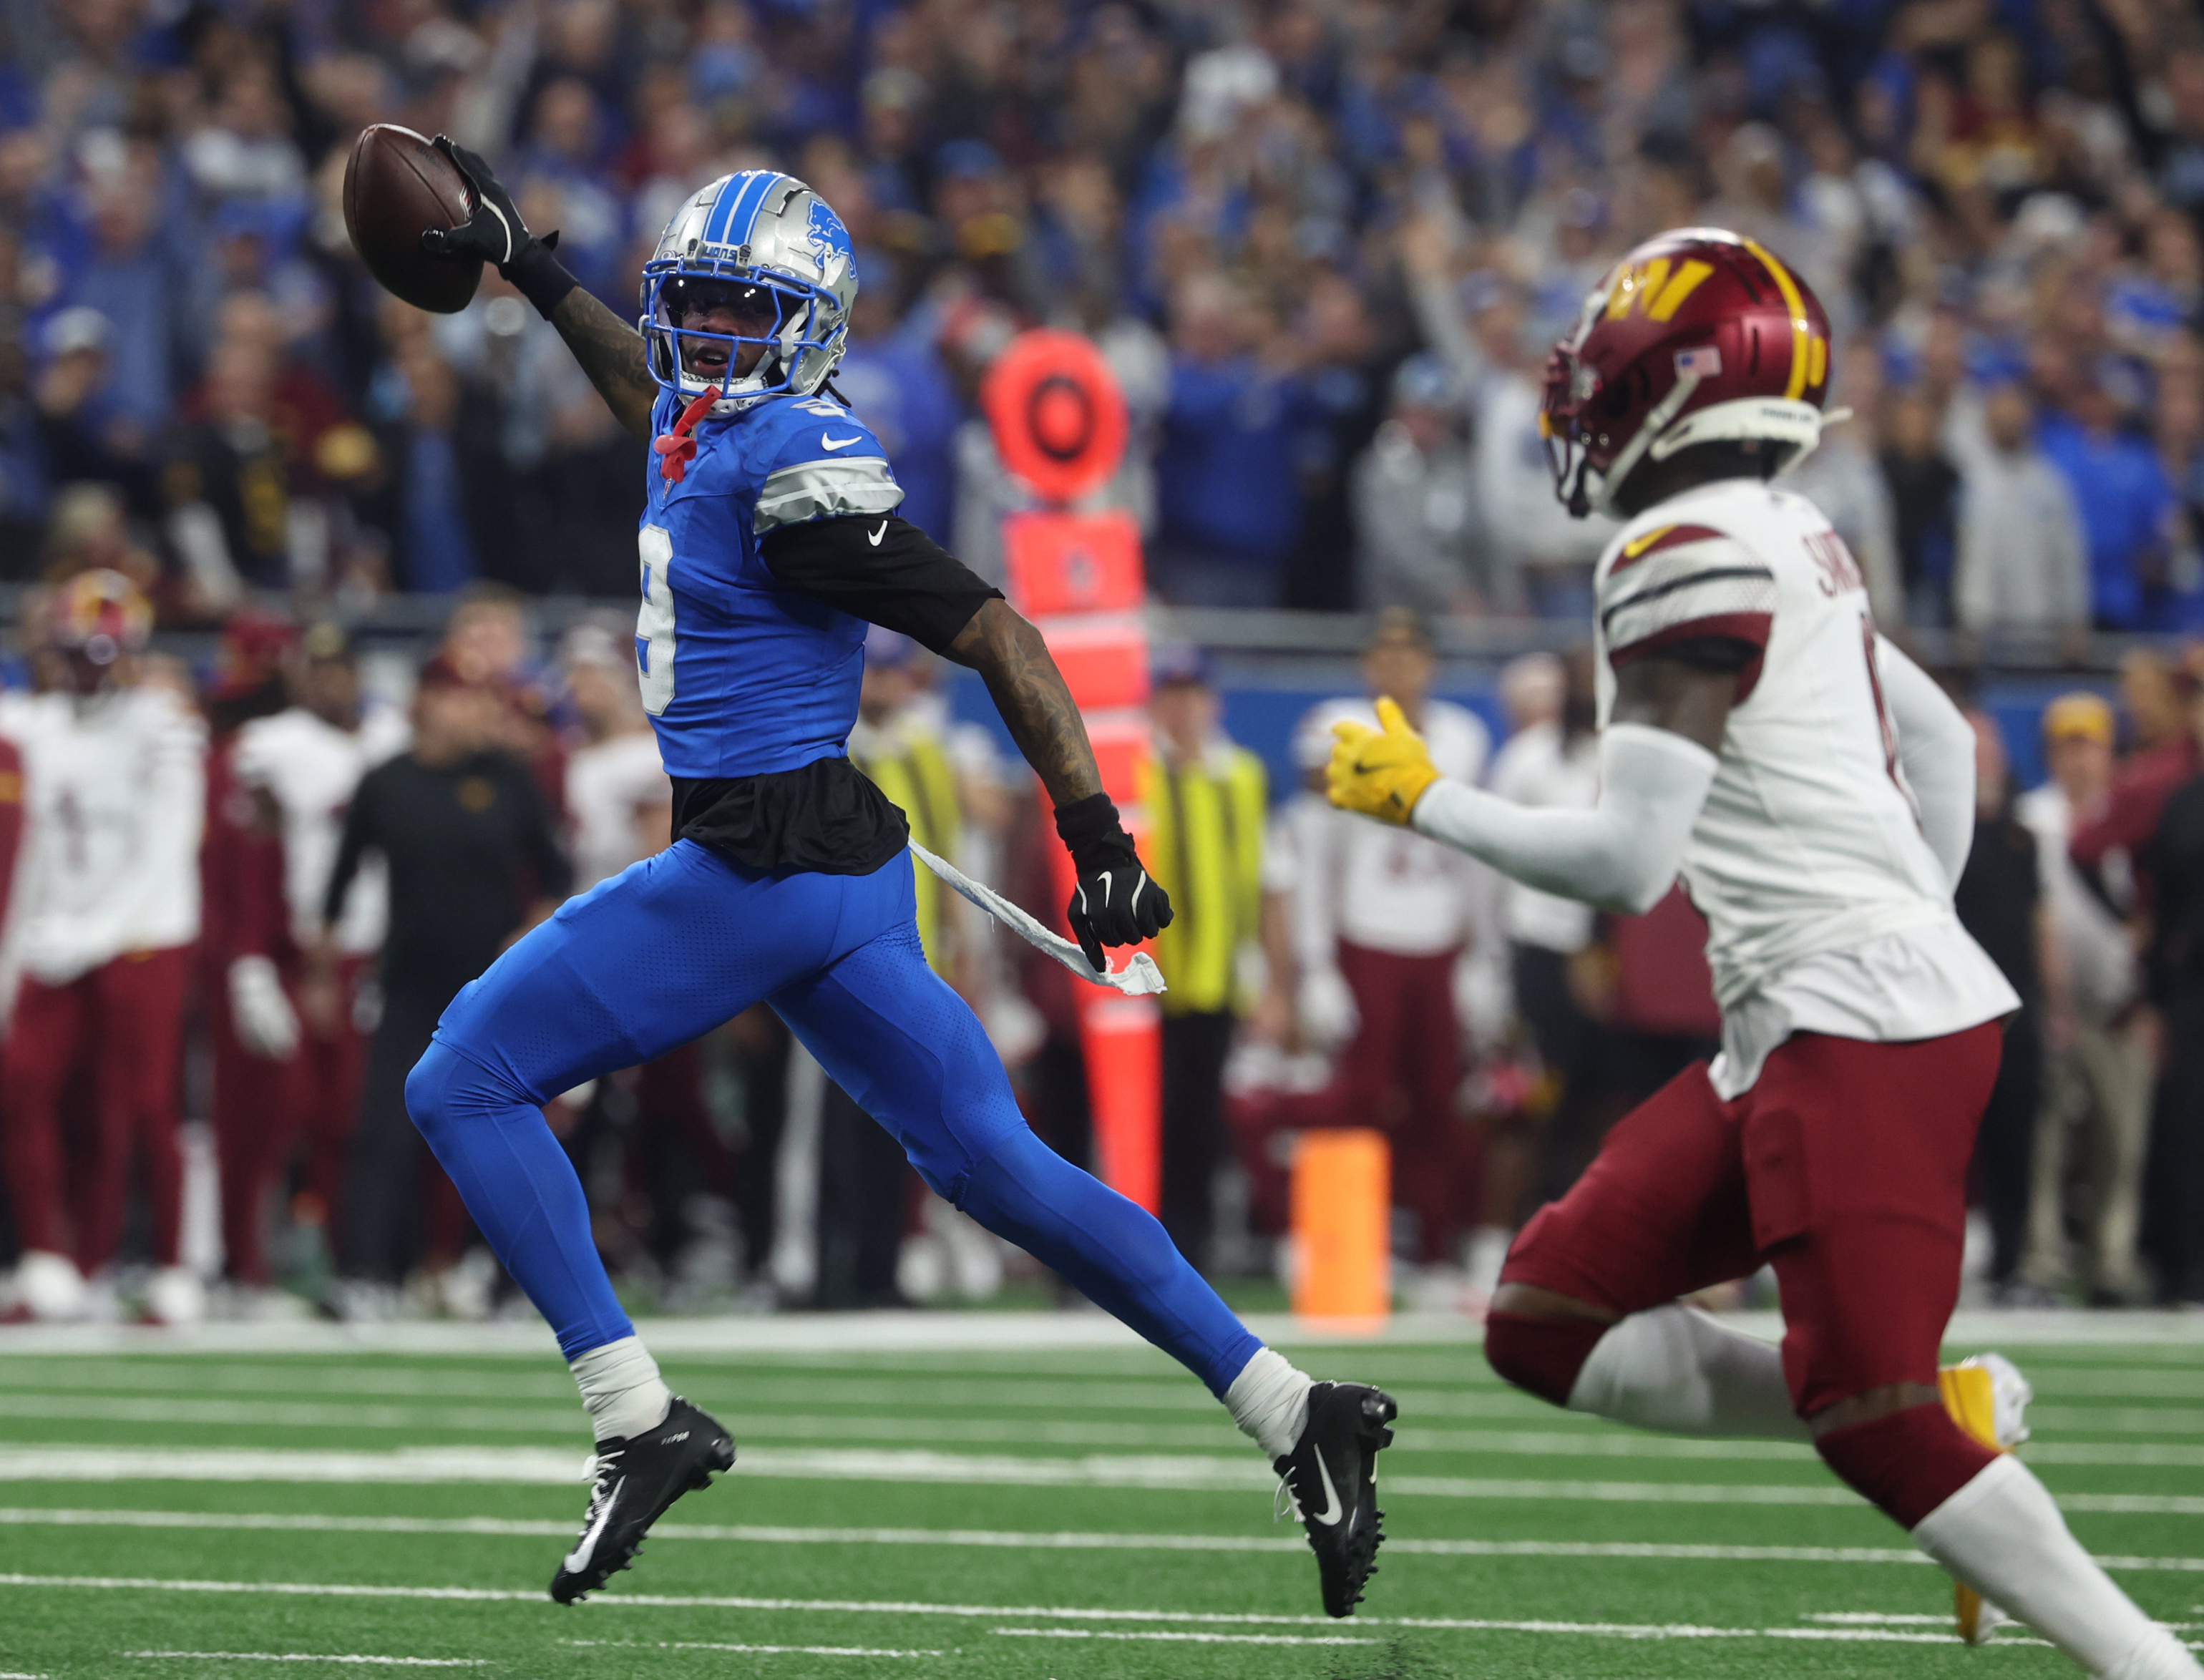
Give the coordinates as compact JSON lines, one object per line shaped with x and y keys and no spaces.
{"x":1634,"y":451}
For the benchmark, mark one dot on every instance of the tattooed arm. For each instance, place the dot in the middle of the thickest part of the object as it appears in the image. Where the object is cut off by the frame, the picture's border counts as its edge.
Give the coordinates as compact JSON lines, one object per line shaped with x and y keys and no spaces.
{"x":1028,"y":690}
{"x":611,"y":352}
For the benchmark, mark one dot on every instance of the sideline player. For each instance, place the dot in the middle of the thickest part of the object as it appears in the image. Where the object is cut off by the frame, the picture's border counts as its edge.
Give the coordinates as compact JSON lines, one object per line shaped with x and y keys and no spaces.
{"x":769,"y":538}
{"x":114,"y":786}
{"x":1817,"y":790}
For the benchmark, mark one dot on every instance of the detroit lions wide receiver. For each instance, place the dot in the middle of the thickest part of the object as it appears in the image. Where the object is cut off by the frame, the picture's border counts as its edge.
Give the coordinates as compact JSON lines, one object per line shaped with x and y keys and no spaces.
{"x":769,"y":541}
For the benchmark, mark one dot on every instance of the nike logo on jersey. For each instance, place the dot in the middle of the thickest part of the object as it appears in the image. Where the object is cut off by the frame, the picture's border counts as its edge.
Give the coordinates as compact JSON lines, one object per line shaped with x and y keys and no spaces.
{"x":875,"y":536}
{"x":1637,"y":546}
{"x":827,"y":442}
{"x":1332,"y":1512}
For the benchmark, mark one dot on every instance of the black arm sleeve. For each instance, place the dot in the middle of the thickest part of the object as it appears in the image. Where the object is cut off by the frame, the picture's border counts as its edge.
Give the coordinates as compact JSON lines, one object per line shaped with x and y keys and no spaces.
{"x":882,"y":569}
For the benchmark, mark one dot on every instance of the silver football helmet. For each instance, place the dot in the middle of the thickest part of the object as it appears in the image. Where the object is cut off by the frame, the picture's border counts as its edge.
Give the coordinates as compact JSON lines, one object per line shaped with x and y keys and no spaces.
{"x":766,"y":248}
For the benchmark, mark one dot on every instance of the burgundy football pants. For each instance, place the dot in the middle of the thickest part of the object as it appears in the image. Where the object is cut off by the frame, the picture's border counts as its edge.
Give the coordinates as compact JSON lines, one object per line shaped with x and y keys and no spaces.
{"x":116,"y":1034}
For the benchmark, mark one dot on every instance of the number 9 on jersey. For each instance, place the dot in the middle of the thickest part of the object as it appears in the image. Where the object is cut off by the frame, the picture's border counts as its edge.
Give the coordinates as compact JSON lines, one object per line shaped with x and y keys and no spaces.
{"x":654,"y":621}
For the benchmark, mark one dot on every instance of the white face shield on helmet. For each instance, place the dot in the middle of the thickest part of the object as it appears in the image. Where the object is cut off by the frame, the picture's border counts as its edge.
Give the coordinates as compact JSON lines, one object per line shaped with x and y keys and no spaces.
{"x":755,"y":259}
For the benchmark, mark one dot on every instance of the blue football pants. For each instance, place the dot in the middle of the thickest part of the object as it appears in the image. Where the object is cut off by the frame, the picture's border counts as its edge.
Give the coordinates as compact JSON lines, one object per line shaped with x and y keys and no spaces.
{"x":681,"y":942}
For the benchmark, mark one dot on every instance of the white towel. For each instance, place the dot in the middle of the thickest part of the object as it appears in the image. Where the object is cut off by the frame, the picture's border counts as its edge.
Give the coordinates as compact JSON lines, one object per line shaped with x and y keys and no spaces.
{"x":1138,"y":978}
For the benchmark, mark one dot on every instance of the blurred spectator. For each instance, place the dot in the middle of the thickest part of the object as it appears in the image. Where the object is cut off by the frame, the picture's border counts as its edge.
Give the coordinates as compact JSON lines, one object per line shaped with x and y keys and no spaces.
{"x":302,"y":767}
{"x":1416,"y":538}
{"x":862,"y":1170}
{"x":2173,"y":1216}
{"x":2114,"y":846}
{"x":105,"y":914}
{"x":2126,"y":507}
{"x":134,"y":276}
{"x":1998,"y":900}
{"x":896,"y":384}
{"x":1340,"y":376}
{"x":2099,"y":1064}
{"x":436,"y":550}
{"x":1382,"y":918}
{"x":83,"y":434}
{"x":232,"y":515}
{"x":1206,"y":799}
{"x":472,"y":862}
{"x":1842,"y":477}
{"x":1553,"y":762}
{"x":618,"y":800}
{"x":1924,"y":491}
{"x":2021,"y":564}
{"x":1229,"y":507}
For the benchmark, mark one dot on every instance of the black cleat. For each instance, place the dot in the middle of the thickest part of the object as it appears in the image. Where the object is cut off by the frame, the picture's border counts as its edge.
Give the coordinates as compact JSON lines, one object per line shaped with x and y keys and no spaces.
{"x":632,"y":1482}
{"x":1331,"y":1477}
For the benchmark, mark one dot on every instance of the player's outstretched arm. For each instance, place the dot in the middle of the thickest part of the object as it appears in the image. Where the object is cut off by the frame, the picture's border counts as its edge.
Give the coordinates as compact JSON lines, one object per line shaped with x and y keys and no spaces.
{"x":1115,"y":903}
{"x":879,"y":567}
{"x":1008,"y":652}
{"x":1657,"y":760}
{"x":610,"y":351}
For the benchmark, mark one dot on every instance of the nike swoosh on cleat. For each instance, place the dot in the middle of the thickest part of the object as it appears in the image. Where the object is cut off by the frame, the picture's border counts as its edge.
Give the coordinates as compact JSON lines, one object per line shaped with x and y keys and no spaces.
{"x":827,"y":442}
{"x":1332,"y":1513}
{"x":586,"y":1546}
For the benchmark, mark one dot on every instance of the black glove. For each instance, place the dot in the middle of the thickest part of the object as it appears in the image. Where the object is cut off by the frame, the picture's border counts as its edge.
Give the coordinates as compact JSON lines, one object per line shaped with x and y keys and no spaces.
{"x":496,"y":234}
{"x":1116,"y":903}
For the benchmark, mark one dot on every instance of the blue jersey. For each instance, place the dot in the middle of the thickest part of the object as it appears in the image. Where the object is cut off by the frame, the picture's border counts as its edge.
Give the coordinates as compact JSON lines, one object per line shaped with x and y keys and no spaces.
{"x":740,"y":676}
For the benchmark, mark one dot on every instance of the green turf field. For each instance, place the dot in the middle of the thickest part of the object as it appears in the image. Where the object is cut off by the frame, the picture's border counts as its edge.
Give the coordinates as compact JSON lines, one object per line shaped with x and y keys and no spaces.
{"x":1025,"y":1508}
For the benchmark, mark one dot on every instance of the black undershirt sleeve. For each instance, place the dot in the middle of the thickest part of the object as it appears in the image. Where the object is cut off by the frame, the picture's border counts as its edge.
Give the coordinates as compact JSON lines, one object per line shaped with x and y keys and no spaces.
{"x":1728,"y":655}
{"x":882,"y":569}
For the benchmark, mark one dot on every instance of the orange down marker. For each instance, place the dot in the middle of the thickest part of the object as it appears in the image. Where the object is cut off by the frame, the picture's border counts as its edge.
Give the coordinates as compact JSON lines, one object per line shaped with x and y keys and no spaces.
{"x":1342,"y":1209}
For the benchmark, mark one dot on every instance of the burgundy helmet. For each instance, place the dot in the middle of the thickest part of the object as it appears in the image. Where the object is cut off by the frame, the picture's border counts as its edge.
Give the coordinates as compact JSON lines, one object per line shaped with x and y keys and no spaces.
{"x":1697,"y":336}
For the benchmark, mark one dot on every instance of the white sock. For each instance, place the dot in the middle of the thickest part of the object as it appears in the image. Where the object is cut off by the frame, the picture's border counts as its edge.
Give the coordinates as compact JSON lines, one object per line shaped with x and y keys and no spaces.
{"x":621,"y":1389}
{"x":1268,"y":1400}
{"x":2002,"y":1535}
{"x":1677,"y":1369}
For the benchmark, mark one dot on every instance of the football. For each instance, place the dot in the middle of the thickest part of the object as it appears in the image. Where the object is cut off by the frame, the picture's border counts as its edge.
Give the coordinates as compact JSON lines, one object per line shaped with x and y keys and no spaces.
{"x":396,"y":186}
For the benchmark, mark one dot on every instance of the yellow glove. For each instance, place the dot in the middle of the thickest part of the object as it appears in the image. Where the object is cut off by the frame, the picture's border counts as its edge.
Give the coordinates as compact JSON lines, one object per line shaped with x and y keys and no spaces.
{"x":1380,"y":775}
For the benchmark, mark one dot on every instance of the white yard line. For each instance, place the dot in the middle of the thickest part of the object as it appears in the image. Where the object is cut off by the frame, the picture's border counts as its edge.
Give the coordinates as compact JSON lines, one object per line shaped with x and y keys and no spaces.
{"x":1012,"y":1332}
{"x":753,"y":1650}
{"x":306,"y":1657}
{"x":756,"y":1426}
{"x":1186,"y":1471}
{"x":1185,"y":1638}
{"x":1095,"y":1614}
{"x":1012,"y":1540}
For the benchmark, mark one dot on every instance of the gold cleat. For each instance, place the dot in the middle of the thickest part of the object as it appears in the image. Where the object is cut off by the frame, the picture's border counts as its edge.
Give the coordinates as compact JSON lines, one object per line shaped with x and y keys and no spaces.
{"x":1987,"y":1397}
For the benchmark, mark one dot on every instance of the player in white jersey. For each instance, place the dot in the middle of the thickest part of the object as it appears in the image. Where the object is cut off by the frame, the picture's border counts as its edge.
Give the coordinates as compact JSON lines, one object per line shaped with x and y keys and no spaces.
{"x":1815,"y":789}
{"x":106,"y":911}
{"x":301,"y":1007}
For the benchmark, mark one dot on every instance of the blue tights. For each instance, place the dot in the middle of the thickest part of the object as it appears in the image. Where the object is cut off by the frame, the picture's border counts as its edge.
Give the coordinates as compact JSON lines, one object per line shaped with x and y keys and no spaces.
{"x":683,"y":941}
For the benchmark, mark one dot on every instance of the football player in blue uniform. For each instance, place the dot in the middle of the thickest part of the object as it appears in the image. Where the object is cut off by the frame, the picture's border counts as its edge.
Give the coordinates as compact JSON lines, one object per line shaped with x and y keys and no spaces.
{"x":770,"y":541}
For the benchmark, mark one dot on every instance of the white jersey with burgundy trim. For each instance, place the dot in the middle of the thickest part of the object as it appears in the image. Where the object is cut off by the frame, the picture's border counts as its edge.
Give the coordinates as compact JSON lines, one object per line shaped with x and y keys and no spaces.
{"x":310,"y":767}
{"x":1810,"y":843}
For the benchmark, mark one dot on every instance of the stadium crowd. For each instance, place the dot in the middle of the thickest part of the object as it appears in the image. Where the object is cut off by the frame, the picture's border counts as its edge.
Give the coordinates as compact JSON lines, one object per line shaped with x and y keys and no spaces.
{"x":1323,"y":244}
